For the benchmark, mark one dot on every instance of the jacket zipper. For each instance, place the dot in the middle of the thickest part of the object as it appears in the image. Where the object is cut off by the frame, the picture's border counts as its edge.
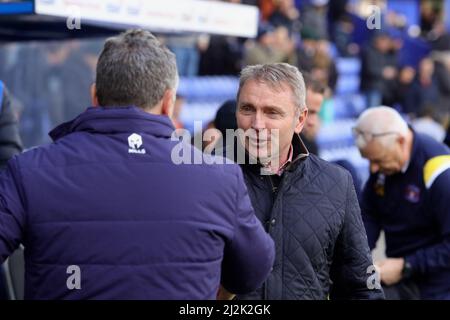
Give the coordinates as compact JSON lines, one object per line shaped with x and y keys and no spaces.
{"x":271,"y":220}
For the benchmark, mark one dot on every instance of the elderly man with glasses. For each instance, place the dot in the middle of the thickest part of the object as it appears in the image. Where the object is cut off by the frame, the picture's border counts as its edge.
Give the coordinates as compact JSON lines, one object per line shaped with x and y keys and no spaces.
{"x":407,"y":196}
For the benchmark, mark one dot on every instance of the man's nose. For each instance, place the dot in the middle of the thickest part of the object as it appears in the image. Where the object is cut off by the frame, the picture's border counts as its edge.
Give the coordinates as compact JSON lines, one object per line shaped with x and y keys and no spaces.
{"x":258,"y":121}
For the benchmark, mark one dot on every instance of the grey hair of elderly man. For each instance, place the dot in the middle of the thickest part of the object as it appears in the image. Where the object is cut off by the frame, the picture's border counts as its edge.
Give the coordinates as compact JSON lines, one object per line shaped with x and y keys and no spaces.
{"x":380,"y":120}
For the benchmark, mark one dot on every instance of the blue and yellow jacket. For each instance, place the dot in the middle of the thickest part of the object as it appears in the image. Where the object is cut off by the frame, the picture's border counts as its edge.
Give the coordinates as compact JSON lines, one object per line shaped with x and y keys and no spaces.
{"x":413,"y":209}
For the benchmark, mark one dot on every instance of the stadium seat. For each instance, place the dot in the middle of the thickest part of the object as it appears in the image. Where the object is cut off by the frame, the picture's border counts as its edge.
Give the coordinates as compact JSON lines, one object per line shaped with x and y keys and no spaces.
{"x":348,"y":66}
{"x":347,"y":106}
{"x":348,"y":84}
{"x":208,"y":88}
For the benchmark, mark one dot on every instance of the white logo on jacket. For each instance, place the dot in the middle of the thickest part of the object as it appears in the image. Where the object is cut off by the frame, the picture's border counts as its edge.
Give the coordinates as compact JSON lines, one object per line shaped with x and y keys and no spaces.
{"x":135,"y":144}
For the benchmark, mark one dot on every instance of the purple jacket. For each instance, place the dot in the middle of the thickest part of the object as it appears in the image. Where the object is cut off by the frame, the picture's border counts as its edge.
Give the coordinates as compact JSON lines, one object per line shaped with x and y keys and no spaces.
{"x":104,"y":213}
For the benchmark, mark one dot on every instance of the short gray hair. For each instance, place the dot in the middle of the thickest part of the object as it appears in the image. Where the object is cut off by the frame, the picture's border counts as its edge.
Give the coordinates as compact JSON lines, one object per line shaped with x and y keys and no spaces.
{"x":275,"y":75}
{"x":135,"y":69}
{"x":379,"y":120}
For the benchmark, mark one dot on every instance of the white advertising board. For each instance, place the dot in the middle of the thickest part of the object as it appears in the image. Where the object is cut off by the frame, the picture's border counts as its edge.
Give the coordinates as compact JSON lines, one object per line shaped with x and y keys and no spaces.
{"x":204,"y":16}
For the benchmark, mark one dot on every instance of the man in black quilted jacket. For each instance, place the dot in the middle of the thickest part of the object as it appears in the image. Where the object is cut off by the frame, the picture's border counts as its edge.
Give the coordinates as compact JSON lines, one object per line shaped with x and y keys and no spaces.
{"x":306,"y":204}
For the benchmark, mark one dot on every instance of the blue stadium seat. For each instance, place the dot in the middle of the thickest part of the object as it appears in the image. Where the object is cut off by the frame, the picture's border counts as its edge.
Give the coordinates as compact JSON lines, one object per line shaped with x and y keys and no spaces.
{"x":337,"y":134}
{"x":348,"y":105}
{"x":350,"y":66}
{"x":210,"y":88}
{"x":347,"y":83}
{"x":199,"y":111}
{"x":350,"y":153}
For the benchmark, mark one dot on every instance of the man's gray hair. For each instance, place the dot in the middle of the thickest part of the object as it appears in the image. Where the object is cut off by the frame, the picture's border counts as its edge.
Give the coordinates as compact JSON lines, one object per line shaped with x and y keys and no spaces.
{"x":380,"y":120}
{"x":135,"y":69}
{"x":275,"y":75}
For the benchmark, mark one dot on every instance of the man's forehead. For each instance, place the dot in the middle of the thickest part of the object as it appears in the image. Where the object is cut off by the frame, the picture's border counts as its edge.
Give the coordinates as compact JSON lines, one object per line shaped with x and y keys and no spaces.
{"x":260,"y":91}
{"x":279,"y":87}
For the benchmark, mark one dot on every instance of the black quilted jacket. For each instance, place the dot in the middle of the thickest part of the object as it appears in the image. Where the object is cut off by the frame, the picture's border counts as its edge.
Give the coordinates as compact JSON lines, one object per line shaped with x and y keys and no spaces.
{"x":314,"y":217}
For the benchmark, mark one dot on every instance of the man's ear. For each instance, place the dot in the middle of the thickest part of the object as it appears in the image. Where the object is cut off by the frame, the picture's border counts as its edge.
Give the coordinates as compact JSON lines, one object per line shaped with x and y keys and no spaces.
{"x":301,"y":121}
{"x":401,"y":140}
{"x":94,"y":98}
{"x":168,"y":103}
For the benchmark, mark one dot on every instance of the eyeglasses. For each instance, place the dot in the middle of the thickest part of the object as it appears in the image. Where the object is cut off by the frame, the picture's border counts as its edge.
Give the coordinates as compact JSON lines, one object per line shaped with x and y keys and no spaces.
{"x":369,"y":136}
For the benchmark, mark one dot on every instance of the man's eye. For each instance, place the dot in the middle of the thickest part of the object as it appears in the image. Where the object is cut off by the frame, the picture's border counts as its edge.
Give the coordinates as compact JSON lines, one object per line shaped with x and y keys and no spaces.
{"x":273,"y":113}
{"x":246,"y":108}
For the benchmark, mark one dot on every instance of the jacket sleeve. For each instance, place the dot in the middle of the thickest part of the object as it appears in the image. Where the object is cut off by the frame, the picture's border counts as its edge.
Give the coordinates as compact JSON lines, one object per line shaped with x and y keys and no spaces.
{"x":10,"y":142}
{"x":352,"y":271}
{"x":369,"y":215}
{"x":11,"y":213}
{"x":249,"y":256}
{"x":436,"y":258}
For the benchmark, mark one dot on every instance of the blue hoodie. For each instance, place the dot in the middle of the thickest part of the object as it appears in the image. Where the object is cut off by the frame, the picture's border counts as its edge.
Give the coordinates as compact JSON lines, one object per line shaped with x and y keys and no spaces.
{"x":104,"y":213}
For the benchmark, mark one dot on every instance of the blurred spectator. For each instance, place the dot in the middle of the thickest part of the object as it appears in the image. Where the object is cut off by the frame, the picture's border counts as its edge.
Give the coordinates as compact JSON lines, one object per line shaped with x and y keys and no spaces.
{"x":223,"y":56}
{"x":337,"y":9}
{"x":429,"y":15}
{"x":28,"y":85}
{"x":342,"y":36}
{"x":286,"y":44}
{"x":267,"y":8}
{"x":56,"y":56}
{"x":186,"y":48}
{"x":425,"y":90}
{"x":394,"y":21}
{"x":306,"y":53}
{"x":442,"y":72}
{"x":404,"y":94}
{"x":439,"y":37}
{"x":315,"y":91}
{"x":286,"y":15}
{"x":69,"y":79}
{"x":10,"y":142}
{"x":272,"y":45}
{"x":215,"y":137}
{"x":324,"y":68}
{"x":313,"y":56}
{"x":406,"y":197}
{"x":226,"y":118}
{"x":314,"y":19}
{"x":379,"y":68}
{"x":51,"y":81}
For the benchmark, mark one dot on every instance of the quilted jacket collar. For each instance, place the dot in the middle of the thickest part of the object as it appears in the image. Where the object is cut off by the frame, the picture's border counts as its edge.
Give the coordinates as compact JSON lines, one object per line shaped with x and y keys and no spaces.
{"x":300,"y":152}
{"x":115,"y":120}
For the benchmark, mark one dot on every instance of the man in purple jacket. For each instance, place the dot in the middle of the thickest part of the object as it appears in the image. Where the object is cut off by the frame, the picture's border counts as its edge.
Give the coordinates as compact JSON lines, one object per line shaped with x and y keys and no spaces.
{"x":104,"y":212}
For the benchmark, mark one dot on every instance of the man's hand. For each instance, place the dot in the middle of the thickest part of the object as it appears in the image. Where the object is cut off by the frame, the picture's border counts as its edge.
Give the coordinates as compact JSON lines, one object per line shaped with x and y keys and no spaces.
{"x":390,"y":270}
{"x":224,"y":294}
